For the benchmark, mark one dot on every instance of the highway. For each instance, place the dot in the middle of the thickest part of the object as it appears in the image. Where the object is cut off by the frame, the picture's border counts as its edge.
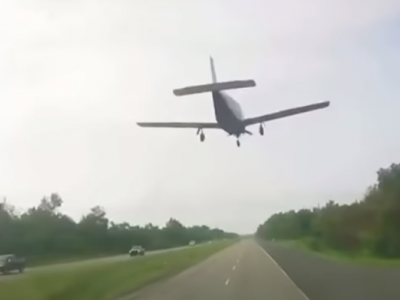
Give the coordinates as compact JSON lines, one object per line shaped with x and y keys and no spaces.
{"x":79,"y":263}
{"x":246,"y":271}
{"x":242,"y":271}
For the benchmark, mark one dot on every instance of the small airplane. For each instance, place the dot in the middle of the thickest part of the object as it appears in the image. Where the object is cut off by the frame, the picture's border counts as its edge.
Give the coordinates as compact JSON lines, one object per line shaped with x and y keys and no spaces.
{"x":228,"y":113}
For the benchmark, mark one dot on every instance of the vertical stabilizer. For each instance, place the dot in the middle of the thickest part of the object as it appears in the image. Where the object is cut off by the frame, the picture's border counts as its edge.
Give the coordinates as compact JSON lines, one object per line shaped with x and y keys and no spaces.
{"x":214,"y":76}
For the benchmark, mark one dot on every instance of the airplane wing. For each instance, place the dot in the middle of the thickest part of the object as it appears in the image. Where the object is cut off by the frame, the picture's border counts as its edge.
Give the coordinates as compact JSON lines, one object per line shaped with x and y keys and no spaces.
{"x":285,"y":113}
{"x":179,"y":125}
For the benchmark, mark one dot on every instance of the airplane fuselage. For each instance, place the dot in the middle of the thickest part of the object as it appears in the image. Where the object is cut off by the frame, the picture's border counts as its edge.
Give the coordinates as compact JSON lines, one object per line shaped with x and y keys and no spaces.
{"x":228,"y":113}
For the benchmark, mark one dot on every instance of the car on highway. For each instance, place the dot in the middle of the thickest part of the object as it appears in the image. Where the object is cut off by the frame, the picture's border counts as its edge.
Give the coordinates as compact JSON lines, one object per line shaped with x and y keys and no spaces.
{"x":192,"y":243}
{"x":137,"y":250}
{"x":11,"y":262}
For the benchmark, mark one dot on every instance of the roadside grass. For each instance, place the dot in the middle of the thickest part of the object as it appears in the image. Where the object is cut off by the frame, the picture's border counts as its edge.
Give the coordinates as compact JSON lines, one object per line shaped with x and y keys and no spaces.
{"x":54,"y":260}
{"x":106,"y":281}
{"x":40,"y":261}
{"x":357,"y":257}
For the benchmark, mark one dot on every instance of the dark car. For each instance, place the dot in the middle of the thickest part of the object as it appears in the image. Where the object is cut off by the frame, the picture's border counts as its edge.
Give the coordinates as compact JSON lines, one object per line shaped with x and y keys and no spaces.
{"x":11,"y":262}
{"x":137,"y":250}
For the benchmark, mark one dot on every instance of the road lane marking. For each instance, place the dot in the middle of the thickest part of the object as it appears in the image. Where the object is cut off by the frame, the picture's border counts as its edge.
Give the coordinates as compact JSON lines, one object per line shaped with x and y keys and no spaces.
{"x":238,"y":260}
{"x":227,"y":282}
{"x":283,"y":272}
{"x":234,"y":267}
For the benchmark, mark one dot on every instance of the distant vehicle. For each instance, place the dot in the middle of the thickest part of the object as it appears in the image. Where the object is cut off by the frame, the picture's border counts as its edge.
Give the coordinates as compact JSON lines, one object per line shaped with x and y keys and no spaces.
{"x":228,"y":113}
{"x":192,"y":243}
{"x":137,"y":250}
{"x":11,"y":262}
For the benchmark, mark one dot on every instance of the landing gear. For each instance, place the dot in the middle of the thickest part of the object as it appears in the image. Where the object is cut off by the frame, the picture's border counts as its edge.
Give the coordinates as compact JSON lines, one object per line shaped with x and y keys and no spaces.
{"x":202,"y":135}
{"x":261,"y":129}
{"x":238,"y":143}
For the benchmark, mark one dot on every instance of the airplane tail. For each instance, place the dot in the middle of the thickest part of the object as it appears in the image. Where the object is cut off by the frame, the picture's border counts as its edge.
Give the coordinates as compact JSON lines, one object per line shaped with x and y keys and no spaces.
{"x":214,"y":86}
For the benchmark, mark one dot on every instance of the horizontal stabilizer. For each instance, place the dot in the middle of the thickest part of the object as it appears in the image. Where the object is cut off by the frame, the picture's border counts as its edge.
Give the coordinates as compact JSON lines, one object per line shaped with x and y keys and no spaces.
{"x":197,"y":125}
{"x":214,"y":87}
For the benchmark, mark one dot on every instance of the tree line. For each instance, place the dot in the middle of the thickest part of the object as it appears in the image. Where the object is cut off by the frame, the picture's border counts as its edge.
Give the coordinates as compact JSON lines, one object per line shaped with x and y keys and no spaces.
{"x":370,"y":226}
{"x":44,"y":231}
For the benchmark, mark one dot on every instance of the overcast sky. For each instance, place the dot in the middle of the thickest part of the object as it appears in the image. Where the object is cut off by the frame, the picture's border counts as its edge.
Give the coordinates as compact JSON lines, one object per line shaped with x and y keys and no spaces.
{"x":76,"y":75}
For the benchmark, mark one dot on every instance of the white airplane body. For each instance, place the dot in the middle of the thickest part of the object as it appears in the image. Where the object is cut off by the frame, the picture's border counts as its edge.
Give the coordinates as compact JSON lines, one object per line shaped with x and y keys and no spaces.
{"x":228,"y":112}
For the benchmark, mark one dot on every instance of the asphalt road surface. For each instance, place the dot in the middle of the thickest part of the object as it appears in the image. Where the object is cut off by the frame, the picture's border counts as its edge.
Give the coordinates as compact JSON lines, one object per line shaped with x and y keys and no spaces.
{"x":75,"y":264}
{"x":326,"y":279}
{"x":242,"y":271}
{"x":246,"y":271}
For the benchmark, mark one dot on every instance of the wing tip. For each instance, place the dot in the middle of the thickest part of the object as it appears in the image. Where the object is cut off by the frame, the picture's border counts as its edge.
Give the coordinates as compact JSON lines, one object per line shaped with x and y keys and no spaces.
{"x":177,"y":92}
{"x":322,"y":104}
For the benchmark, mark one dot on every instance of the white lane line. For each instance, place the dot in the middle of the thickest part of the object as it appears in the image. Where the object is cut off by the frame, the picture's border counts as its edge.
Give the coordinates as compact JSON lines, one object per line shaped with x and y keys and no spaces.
{"x":238,"y":260}
{"x":234,"y":267}
{"x":284,"y":273}
{"x":227,"y":282}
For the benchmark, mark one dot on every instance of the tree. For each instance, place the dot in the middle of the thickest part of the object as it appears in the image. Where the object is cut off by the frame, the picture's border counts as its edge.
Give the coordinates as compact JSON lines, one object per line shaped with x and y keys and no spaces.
{"x":44,"y":231}
{"x":369,"y":225}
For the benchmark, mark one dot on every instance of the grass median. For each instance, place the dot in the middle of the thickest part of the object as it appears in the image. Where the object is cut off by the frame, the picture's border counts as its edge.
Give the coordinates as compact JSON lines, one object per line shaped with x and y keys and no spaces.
{"x":364,"y":258}
{"x":106,"y":281}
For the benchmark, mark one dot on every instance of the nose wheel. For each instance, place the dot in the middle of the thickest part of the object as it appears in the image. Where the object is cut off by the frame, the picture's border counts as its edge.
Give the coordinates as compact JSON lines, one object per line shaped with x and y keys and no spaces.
{"x":238,"y":143}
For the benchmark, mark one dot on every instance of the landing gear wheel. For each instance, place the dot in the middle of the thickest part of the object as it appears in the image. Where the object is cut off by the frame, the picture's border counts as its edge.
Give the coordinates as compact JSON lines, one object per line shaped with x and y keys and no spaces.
{"x":261,"y":129}
{"x":238,"y":143}
{"x":202,"y":137}
{"x":201,"y":133}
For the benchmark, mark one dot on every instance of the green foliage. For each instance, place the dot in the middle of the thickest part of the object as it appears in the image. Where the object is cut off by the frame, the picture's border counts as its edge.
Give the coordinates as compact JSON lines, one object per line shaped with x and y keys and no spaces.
{"x":368,"y":226}
{"x":43,"y":233}
{"x":105,"y":281}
